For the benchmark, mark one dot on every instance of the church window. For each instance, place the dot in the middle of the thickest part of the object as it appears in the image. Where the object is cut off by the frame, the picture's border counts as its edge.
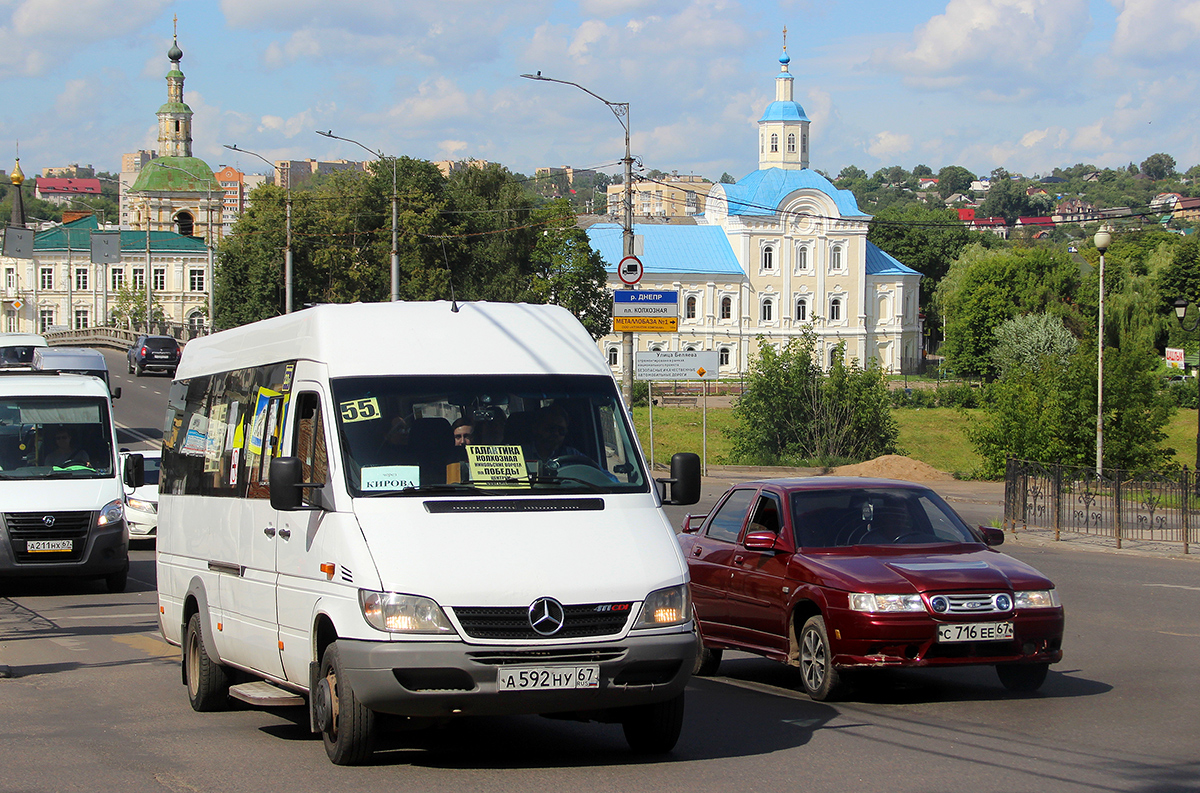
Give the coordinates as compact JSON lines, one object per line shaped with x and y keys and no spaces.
{"x":833,"y":356}
{"x":791,"y":143}
{"x":723,"y":356}
{"x":184,"y":224}
{"x":768,"y":258}
{"x":802,"y":258}
{"x":802,"y":310}
{"x":612,"y":356}
{"x":690,"y":307}
{"x":767,"y":312}
{"x":726,"y":308}
{"x":835,"y":310}
{"x":774,"y":143}
{"x":835,"y":258}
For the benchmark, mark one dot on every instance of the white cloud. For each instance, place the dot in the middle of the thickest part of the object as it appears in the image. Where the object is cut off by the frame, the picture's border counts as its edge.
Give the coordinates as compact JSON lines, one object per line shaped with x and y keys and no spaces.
{"x":451,"y":149}
{"x":31,"y":39}
{"x":889,"y":144}
{"x":994,"y":43}
{"x":1156,"y":30}
{"x":290,"y":127}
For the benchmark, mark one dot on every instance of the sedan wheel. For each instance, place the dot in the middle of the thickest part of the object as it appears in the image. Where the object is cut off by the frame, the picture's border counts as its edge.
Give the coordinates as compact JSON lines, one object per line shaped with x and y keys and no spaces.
{"x":818,"y":675}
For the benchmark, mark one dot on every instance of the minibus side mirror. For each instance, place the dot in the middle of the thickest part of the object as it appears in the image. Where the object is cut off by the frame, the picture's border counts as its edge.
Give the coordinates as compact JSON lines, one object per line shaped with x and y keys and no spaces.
{"x":116,"y":392}
{"x":134,"y":473}
{"x":684,"y":481}
{"x":287,"y":488}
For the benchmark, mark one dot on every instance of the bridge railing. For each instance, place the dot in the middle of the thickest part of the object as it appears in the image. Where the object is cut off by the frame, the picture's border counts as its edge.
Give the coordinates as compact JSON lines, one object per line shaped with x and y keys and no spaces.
{"x":117,"y":338}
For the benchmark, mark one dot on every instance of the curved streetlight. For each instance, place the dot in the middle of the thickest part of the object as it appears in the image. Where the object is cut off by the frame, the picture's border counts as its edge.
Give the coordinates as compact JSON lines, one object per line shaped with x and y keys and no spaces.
{"x":621,"y":111}
{"x":287,"y":246}
{"x":1102,"y":240}
{"x":395,"y":208}
{"x":208,"y":181}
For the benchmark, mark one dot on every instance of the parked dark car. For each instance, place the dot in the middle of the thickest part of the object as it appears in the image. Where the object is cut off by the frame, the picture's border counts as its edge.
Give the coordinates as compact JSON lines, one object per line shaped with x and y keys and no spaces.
{"x":154,"y":353}
{"x":837,"y":573}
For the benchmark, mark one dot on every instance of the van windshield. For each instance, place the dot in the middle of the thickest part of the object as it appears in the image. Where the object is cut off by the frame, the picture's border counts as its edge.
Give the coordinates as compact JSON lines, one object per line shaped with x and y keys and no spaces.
{"x":55,"y":438}
{"x":485,"y":434}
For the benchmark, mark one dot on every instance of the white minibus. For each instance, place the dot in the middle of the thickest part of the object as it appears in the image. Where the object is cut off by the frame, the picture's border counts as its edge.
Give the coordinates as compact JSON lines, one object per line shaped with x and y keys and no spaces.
{"x":421,"y":509}
{"x":61,"y":494}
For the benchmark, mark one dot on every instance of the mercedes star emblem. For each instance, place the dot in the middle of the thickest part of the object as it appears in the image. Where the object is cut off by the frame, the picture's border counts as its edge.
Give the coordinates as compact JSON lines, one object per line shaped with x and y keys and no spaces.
{"x":546,"y":616}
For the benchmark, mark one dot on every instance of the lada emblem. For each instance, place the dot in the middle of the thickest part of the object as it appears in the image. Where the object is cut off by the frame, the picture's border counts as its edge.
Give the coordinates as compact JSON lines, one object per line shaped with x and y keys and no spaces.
{"x":546,"y":616}
{"x":48,"y":520}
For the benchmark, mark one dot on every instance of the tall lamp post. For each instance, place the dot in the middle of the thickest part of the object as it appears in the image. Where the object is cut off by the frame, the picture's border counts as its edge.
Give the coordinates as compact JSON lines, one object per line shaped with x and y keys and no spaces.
{"x":287,"y":246}
{"x":208,"y":244}
{"x":1102,"y":240}
{"x":1181,"y":306}
{"x":395,"y":207}
{"x":621,"y":111}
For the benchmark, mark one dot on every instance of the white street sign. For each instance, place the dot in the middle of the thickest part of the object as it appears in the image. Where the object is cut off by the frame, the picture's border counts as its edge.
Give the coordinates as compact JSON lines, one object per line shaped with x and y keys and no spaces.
{"x":676,"y":365}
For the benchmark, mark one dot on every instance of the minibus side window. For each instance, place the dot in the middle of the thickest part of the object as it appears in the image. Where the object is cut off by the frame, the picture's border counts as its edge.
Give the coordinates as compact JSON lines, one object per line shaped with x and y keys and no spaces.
{"x":310,"y":445}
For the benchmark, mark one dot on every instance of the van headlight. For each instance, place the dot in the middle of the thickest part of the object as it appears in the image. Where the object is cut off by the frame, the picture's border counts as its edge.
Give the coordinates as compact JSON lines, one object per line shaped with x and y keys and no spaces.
{"x":1037,"y":599}
{"x":395,"y":613}
{"x":112,"y":513}
{"x":664,"y":607}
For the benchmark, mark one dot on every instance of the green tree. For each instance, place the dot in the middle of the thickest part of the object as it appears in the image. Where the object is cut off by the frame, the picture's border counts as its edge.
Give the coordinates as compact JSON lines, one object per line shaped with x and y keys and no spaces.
{"x":922,"y":170}
{"x":727,"y":178}
{"x":129,"y":308}
{"x":1159,"y":166}
{"x":925,"y":238}
{"x":1006,"y":199}
{"x":1031,"y":341}
{"x":954,"y":179}
{"x":791,"y":412}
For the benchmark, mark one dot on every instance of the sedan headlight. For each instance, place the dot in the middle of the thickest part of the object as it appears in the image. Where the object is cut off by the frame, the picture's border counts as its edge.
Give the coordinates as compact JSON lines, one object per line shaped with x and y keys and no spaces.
{"x":394,"y":613}
{"x":1037,"y":599}
{"x":664,"y":607}
{"x":860,"y":601}
{"x":112,"y":513}
{"x":141,"y":505}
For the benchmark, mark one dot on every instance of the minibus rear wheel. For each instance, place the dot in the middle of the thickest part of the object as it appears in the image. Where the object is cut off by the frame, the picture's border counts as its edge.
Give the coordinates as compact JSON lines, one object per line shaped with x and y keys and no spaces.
{"x":207,"y":680}
{"x":654,"y":729}
{"x":350,"y":734}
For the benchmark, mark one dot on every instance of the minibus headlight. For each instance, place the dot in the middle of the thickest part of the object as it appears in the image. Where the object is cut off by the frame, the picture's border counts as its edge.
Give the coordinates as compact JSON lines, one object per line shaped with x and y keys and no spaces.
{"x":395,"y":613}
{"x":112,"y":513}
{"x":663,"y":607}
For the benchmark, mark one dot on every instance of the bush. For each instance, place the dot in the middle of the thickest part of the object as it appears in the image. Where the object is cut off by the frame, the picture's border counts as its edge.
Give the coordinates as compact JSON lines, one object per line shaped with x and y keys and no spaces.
{"x":641,"y":394}
{"x":1184,"y":393}
{"x":954,"y":395}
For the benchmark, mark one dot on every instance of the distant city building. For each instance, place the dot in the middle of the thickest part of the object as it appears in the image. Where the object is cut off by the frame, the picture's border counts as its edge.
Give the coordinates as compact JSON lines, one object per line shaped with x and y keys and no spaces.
{"x":448,"y":167}
{"x":293,"y":173}
{"x":72,"y":171}
{"x":61,"y":191}
{"x":236,"y":186}
{"x":665,"y":197}
{"x":577,"y":180}
{"x":1187,"y":210}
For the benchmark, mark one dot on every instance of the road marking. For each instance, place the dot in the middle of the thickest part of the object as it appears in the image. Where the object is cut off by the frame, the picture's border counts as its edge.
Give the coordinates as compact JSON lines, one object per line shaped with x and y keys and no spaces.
{"x":1184,"y":635}
{"x":150,"y":645}
{"x":1175,"y":586}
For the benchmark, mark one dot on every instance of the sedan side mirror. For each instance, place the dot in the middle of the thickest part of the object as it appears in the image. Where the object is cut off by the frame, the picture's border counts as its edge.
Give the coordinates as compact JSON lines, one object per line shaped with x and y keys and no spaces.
{"x":992,"y":536}
{"x":761,"y":541}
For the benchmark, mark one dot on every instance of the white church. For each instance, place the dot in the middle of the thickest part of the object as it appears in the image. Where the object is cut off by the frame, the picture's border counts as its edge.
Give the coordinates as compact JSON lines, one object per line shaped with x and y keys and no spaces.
{"x":779,"y":251}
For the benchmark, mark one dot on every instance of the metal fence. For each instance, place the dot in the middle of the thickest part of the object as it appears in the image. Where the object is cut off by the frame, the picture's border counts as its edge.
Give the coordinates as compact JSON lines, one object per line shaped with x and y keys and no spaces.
{"x":1119,"y":505}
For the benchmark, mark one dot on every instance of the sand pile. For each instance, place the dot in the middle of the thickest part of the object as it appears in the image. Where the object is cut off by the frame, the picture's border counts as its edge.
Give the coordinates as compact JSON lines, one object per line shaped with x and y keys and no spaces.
{"x":894,"y":466}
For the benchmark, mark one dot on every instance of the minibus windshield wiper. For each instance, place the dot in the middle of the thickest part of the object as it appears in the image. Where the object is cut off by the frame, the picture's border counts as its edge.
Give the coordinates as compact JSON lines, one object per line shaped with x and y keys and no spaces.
{"x":542,"y":479}
{"x":457,"y":487}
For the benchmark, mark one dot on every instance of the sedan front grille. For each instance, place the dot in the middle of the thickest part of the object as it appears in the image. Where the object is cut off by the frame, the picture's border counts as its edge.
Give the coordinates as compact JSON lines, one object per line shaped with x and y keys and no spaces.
{"x":989,"y":603}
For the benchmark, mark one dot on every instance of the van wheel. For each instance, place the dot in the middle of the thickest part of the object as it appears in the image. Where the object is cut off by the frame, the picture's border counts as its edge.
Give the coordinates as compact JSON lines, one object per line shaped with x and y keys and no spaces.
{"x":654,"y":729}
{"x":115,"y":582}
{"x":207,"y":680}
{"x":349,"y":729}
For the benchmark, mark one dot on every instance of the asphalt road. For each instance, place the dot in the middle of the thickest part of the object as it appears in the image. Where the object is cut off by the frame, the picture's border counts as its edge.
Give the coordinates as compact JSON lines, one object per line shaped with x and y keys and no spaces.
{"x":95,"y":703}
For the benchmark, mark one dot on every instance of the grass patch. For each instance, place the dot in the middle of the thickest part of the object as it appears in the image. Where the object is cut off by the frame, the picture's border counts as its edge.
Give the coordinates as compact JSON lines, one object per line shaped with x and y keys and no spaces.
{"x":680,"y":429}
{"x":935,"y":436}
{"x":1181,"y":436}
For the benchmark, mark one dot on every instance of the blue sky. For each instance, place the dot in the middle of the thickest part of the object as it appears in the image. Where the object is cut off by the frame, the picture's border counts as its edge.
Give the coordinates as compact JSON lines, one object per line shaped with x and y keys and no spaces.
{"x":1023,"y":84}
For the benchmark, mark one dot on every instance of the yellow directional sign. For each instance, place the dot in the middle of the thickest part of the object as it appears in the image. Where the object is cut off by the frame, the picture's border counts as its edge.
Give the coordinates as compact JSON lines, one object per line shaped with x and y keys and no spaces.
{"x":645,"y":324}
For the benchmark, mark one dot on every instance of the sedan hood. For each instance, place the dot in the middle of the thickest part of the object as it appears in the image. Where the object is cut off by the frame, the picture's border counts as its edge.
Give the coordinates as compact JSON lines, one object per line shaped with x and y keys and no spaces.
{"x":504,"y":558}
{"x":962,"y":568}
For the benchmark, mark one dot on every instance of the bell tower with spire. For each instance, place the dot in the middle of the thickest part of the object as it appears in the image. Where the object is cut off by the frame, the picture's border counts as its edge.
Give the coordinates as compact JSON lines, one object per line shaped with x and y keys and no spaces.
{"x":783,"y":128}
{"x":175,"y":117}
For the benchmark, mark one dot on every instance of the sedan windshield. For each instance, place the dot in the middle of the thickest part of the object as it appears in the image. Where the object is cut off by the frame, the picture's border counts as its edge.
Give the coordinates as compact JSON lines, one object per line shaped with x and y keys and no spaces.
{"x":54,"y":438}
{"x":485,"y":434}
{"x":839,"y":518}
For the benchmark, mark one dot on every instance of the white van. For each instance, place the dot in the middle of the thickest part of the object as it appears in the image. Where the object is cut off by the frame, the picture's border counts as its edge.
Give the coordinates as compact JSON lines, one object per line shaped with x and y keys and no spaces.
{"x":61,"y":493}
{"x":320,"y":529}
{"x":76,"y":360}
{"x":16,"y":349}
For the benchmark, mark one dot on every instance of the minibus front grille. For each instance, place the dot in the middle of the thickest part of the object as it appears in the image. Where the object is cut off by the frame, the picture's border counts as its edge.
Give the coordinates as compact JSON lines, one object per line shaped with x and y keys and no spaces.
{"x":25,"y":526}
{"x":549,"y":656}
{"x":512,"y":622}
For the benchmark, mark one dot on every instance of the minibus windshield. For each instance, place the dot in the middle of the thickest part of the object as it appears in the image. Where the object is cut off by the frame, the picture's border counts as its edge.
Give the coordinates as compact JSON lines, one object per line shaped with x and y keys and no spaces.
{"x":55,"y":438}
{"x":485,"y":434}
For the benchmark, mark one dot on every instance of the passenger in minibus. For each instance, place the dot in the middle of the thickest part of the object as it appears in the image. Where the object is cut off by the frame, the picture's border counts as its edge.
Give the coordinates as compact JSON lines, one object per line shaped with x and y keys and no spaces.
{"x":464,"y":431}
{"x":66,"y":451}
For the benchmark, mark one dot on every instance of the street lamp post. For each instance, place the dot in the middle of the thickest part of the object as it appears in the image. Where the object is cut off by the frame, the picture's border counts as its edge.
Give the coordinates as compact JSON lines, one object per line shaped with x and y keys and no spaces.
{"x":1102,"y":240}
{"x":621,"y":111}
{"x":395,"y":268}
{"x":1181,"y":306}
{"x":287,"y":246}
{"x":208,"y":245}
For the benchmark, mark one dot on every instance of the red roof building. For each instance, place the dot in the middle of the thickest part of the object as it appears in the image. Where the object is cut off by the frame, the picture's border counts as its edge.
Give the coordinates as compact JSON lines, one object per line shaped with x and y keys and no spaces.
{"x":59,"y":190}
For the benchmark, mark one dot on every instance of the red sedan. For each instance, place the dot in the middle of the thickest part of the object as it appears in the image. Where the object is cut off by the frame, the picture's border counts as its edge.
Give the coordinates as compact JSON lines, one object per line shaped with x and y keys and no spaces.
{"x":835,"y":573}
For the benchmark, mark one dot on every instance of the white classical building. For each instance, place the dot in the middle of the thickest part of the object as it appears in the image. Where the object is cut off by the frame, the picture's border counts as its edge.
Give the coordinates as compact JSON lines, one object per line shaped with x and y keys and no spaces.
{"x":780,"y":251}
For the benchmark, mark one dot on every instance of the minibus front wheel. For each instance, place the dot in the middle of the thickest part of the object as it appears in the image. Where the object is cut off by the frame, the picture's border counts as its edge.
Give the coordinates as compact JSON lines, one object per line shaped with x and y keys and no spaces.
{"x":347,"y":726}
{"x":207,"y":680}
{"x":654,"y":729}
